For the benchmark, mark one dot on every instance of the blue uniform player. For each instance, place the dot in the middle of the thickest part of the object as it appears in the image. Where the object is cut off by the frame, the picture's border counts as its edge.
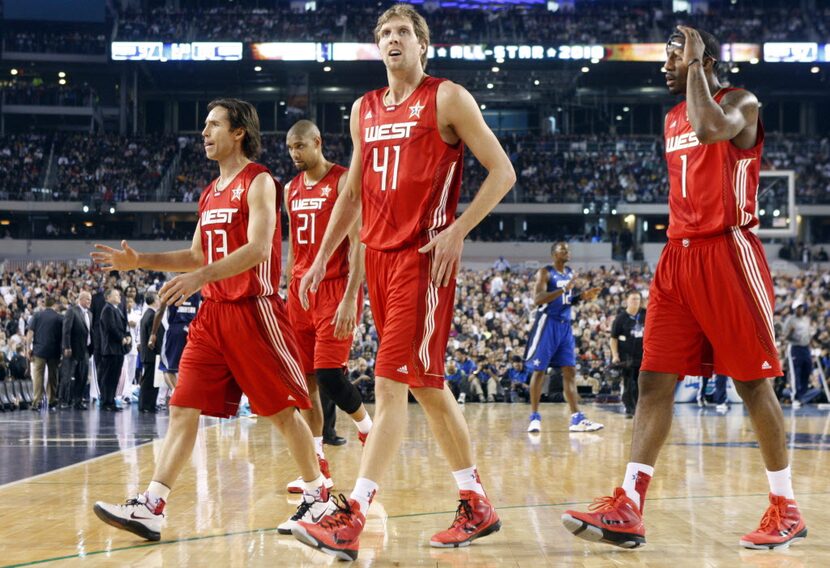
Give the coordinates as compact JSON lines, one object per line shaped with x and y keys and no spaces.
{"x":551,"y":341}
{"x":176,"y":320}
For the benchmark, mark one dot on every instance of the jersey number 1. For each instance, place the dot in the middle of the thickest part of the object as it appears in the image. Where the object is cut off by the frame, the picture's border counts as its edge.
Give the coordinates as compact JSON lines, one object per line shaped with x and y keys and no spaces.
{"x":683,"y":158}
{"x":383,"y":169}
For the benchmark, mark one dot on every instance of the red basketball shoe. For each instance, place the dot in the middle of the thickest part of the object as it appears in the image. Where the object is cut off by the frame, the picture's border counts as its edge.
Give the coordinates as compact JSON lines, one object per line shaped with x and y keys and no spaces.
{"x":297,"y":486}
{"x":613,"y":520}
{"x":781,"y":525}
{"x":474,"y":518}
{"x":337,"y":534}
{"x":362,"y":437}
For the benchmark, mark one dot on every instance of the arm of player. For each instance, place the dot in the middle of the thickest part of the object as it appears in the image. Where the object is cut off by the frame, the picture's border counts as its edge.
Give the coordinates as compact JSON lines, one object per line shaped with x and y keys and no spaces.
{"x":458,"y":109}
{"x":713,"y":122}
{"x":345,"y":319}
{"x":345,"y":214}
{"x":157,"y":317}
{"x":262,"y":222}
{"x":185,"y":260}
{"x":540,"y":290}
{"x":289,"y":261}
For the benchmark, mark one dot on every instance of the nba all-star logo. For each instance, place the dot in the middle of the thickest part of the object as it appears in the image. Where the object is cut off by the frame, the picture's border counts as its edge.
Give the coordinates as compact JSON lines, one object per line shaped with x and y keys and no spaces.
{"x":325,"y":191}
{"x":237,"y":193}
{"x":415,"y":110}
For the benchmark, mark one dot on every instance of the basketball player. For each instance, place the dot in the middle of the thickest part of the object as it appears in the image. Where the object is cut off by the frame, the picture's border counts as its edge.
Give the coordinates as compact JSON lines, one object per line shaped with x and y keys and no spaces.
{"x":406,"y":174}
{"x":240,"y":340}
{"x":711,"y":300}
{"x":177,"y":320}
{"x":551,"y":341}
{"x":324,"y":332}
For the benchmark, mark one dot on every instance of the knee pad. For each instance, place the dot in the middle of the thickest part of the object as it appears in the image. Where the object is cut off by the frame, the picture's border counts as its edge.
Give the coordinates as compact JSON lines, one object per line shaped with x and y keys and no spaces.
{"x":336,"y":386}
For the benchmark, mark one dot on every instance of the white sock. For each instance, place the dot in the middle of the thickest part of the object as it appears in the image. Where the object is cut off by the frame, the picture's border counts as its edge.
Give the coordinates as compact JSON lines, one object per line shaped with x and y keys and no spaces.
{"x":630,"y":480}
{"x":781,"y":483}
{"x":318,"y":446}
{"x":156,"y":491}
{"x":363,"y":492}
{"x":363,"y":426}
{"x":314,"y":487}
{"x":467,"y":480}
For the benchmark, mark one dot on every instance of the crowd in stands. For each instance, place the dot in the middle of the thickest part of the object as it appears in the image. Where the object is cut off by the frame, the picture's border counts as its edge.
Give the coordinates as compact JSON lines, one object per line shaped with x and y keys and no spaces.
{"x":57,"y":41}
{"x":550,"y":168}
{"x":38,"y":93}
{"x":492,"y":319}
{"x":111,"y":168}
{"x":589,"y":23}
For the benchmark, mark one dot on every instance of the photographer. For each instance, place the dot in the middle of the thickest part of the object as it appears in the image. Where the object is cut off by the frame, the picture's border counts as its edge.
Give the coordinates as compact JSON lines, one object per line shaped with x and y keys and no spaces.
{"x":627,"y":348}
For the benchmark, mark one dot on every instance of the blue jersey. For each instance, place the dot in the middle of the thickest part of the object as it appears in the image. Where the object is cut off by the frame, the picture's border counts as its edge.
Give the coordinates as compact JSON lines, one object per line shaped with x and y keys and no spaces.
{"x":560,"y":308}
{"x":184,"y":314}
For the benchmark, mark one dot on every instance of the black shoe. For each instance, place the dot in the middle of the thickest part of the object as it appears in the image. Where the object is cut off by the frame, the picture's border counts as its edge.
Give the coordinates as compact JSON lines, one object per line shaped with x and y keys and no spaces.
{"x":35,"y":408}
{"x":336,"y":441}
{"x":53,"y":406}
{"x":80,"y":406}
{"x":63,"y":405}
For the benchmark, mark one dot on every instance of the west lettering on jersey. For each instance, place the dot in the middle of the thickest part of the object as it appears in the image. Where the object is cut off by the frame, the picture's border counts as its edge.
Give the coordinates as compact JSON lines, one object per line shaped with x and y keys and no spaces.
{"x":217,"y":216}
{"x":682,"y":142}
{"x":308,"y":204}
{"x":394,"y":131}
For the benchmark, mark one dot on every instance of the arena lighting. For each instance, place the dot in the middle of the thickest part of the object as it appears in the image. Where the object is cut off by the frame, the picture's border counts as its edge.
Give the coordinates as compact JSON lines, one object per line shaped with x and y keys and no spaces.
{"x":586,"y":211}
{"x":626,"y":109}
{"x":489,"y":85}
{"x":483,"y":107}
{"x":754,"y":61}
{"x":594,"y":60}
{"x":257,"y":68}
{"x":762,"y":212}
{"x":88,"y":224}
{"x":585,"y":69}
{"x":619,"y":117}
{"x":613,"y":212}
{"x":326,"y":68}
{"x":495,"y":69}
{"x":61,"y":81}
{"x":735,"y":69}
{"x":814,"y":69}
{"x":13,"y":71}
{"x":776,"y":212}
{"x":61,"y":74}
{"x":5,"y":222}
{"x":112,"y":210}
{"x":282,"y":104}
{"x":86,"y":208}
{"x":536,"y":82}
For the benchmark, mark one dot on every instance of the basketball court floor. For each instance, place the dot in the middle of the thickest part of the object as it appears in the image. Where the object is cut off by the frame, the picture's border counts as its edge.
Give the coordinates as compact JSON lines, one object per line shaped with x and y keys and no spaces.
{"x":710,"y":488}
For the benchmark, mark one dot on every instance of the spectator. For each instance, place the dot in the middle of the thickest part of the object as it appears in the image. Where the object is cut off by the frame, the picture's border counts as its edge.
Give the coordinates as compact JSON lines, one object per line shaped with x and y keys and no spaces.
{"x":44,"y":334}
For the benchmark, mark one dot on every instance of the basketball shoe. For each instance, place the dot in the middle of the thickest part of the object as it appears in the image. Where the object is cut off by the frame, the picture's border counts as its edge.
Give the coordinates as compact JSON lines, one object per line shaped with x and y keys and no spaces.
{"x":581,"y":424}
{"x":780,"y":526}
{"x":613,"y":520}
{"x":297,"y":485}
{"x":535,"y":422}
{"x":136,"y":515}
{"x":362,"y":437}
{"x":337,"y":534}
{"x":311,"y":510}
{"x":474,"y":518}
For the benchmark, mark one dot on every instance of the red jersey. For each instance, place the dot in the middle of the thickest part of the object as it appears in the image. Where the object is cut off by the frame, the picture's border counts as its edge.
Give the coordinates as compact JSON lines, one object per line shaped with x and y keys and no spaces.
{"x":223,"y":225}
{"x":309,"y":211}
{"x":411,"y":177}
{"x":713,"y":187}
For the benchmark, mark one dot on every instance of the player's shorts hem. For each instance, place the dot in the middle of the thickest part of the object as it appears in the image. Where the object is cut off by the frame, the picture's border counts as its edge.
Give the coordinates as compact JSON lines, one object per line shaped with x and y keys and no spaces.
{"x":680,"y":373}
{"x":204,"y":411}
{"x":766,"y":374}
{"x":426,"y":380}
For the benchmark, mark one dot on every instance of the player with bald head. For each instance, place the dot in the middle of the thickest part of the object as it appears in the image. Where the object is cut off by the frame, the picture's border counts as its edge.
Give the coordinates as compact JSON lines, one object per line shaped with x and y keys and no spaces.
{"x":326,"y":329}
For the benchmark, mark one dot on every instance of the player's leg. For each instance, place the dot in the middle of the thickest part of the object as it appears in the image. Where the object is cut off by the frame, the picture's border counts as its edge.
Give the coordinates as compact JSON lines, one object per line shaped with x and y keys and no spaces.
{"x":537,"y":358}
{"x":476,"y":517}
{"x":745,"y":349}
{"x":345,"y":395}
{"x":206,"y":386}
{"x":314,"y":418}
{"x":781,"y":529}
{"x":674,"y":344}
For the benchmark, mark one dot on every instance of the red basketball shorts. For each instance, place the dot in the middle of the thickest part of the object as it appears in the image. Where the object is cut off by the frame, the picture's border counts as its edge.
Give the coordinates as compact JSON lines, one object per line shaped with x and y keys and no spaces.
{"x":314,"y":330}
{"x":412,"y":316}
{"x":710,"y":309}
{"x":235,"y":347}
